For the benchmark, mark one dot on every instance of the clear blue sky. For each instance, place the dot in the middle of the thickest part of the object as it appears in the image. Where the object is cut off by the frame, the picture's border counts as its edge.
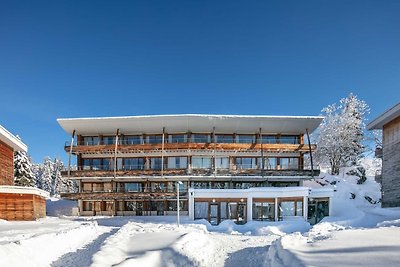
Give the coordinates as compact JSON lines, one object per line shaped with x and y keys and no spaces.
{"x":110,"y":58}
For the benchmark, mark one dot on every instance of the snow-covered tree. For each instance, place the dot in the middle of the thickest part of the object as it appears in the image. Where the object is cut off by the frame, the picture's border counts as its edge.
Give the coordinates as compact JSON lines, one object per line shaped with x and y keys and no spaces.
{"x":23,"y":175}
{"x":49,"y":177}
{"x":341,"y":134}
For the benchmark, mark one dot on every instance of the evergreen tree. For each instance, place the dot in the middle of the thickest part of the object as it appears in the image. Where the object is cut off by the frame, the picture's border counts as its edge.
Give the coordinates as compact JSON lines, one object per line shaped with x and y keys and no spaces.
{"x":341,"y":134}
{"x":23,"y":175}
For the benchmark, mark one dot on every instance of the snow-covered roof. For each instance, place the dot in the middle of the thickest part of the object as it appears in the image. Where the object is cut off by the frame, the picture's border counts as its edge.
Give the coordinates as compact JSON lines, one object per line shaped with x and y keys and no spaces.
{"x":23,"y":190}
{"x":153,"y":124}
{"x":385,"y":118}
{"x":12,"y":140}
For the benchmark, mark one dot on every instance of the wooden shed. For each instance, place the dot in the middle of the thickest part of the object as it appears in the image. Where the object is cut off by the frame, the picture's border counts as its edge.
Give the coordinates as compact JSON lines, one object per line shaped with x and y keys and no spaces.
{"x":16,"y":202}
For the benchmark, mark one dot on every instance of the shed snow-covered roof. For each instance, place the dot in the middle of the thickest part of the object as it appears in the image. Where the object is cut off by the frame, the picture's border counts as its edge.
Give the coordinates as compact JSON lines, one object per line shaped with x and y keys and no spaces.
{"x":153,"y":124}
{"x":11,"y":140}
{"x":385,"y":118}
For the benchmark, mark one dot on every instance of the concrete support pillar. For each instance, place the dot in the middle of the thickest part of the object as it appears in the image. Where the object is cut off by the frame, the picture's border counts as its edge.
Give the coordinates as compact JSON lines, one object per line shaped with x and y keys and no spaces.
{"x":249,"y":208}
{"x":191,"y":205}
{"x":276,"y":209}
{"x":80,"y":206}
{"x":305,"y":208}
{"x":330,"y":207}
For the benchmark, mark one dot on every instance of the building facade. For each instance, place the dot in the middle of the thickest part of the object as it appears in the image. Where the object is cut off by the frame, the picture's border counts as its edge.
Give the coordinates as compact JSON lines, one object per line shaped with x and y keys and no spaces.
{"x":17,"y":203}
{"x":132,"y":165}
{"x":389,"y":123}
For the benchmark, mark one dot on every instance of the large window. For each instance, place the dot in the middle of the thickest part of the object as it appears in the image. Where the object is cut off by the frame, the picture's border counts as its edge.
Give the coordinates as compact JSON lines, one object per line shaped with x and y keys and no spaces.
{"x":289,"y":139}
{"x":201,"y":138}
{"x":201,"y":163}
{"x":245,"y":139}
{"x":289,"y":163}
{"x":109,"y":140}
{"x":177,"y":138}
{"x":224,"y":138}
{"x":246,"y":163}
{"x":270,"y":163}
{"x":263,"y":211}
{"x":222,"y":163}
{"x":155,"y":163}
{"x":96,"y":164}
{"x":177,"y":162}
{"x":134,"y":163}
{"x":154,"y":139}
{"x":90,"y":140}
{"x":133,"y":140}
{"x":201,"y":210}
{"x":269,"y":139}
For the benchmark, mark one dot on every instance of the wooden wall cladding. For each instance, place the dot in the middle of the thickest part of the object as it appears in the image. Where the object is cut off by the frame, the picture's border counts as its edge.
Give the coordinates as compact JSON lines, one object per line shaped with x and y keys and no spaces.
{"x":6,"y":164}
{"x":21,"y":207}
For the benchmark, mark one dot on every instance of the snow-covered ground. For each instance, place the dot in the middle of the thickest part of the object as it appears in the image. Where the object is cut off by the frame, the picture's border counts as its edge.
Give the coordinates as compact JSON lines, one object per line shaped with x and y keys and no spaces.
{"x":359,"y":233}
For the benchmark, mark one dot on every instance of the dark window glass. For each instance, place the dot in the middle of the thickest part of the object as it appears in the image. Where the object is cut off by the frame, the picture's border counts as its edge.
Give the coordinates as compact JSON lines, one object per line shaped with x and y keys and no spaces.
{"x":134,"y":164}
{"x":221,"y":138}
{"x":270,"y":139}
{"x":133,"y":140}
{"x":133,"y":187}
{"x":177,"y":138}
{"x":109,"y":140}
{"x":245,"y":139}
{"x":289,"y":139}
{"x":154,"y":139}
{"x":246,"y":163}
{"x":155,"y":163}
{"x":201,"y":138}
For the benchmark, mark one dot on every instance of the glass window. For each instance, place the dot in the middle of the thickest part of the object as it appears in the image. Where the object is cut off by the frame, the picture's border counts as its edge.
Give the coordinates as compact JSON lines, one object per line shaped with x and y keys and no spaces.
{"x":200,"y":185}
{"x":222,"y":163}
{"x":90,"y":140}
{"x":154,"y":139}
{"x":86,"y":164}
{"x":134,"y":163}
{"x":96,"y":164}
{"x":109,"y":140}
{"x":201,"y":210}
{"x":133,"y":140}
{"x":299,"y":208}
{"x":223,"y":138}
{"x":270,"y":139}
{"x":289,"y":163}
{"x":287,"y":208}
{"x":201,"y":138}
{"x":107,"y":165}
{"x":87,"y":206}
{"x":201,"y":163}
{"x":289,"y":139}
{"x":246,"y":163}
{"x":177,"y":162}
{"x":245,"y":139}
{"x":157,"y":187}
{"x":177,"y":138}
{"x":133,"y":187}
{"x":155,"y":163}
{"x":263,"y":211}
{"x":271,"y":163}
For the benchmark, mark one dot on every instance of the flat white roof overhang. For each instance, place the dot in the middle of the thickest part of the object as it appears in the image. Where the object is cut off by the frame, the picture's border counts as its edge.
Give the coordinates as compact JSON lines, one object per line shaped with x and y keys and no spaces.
{"x":385,"y":118}
{"x":11,"y":140}
{"x":154,"y":124}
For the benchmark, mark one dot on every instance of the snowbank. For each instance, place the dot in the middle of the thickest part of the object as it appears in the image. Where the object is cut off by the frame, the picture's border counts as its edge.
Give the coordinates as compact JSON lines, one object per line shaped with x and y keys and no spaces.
{"x":41,"y":242}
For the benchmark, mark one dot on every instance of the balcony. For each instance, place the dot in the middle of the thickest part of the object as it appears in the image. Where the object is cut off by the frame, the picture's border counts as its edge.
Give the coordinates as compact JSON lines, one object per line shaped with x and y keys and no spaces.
{"x":125,"y":147}
{"x":118,"y":195}
{"x":232,"y":171}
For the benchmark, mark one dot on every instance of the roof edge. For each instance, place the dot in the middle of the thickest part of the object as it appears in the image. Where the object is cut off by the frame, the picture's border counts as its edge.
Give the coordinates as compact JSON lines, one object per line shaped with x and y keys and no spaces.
{"x":12,"y":140}
{"x":384,"y":118}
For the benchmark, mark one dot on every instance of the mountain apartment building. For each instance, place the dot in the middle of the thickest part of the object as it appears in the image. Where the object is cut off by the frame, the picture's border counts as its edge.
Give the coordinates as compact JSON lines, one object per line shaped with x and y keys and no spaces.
{"x":233,"y":167}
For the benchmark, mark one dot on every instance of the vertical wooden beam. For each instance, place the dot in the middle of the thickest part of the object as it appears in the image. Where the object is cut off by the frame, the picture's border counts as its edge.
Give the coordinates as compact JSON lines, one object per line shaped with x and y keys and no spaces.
{"x":162,"y":152}
{"x":214,"y":152}
{"x":70,"y":153}
{"x":262,"y":153}
{"x":115,"y":154}
{"x":311,"y":159}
